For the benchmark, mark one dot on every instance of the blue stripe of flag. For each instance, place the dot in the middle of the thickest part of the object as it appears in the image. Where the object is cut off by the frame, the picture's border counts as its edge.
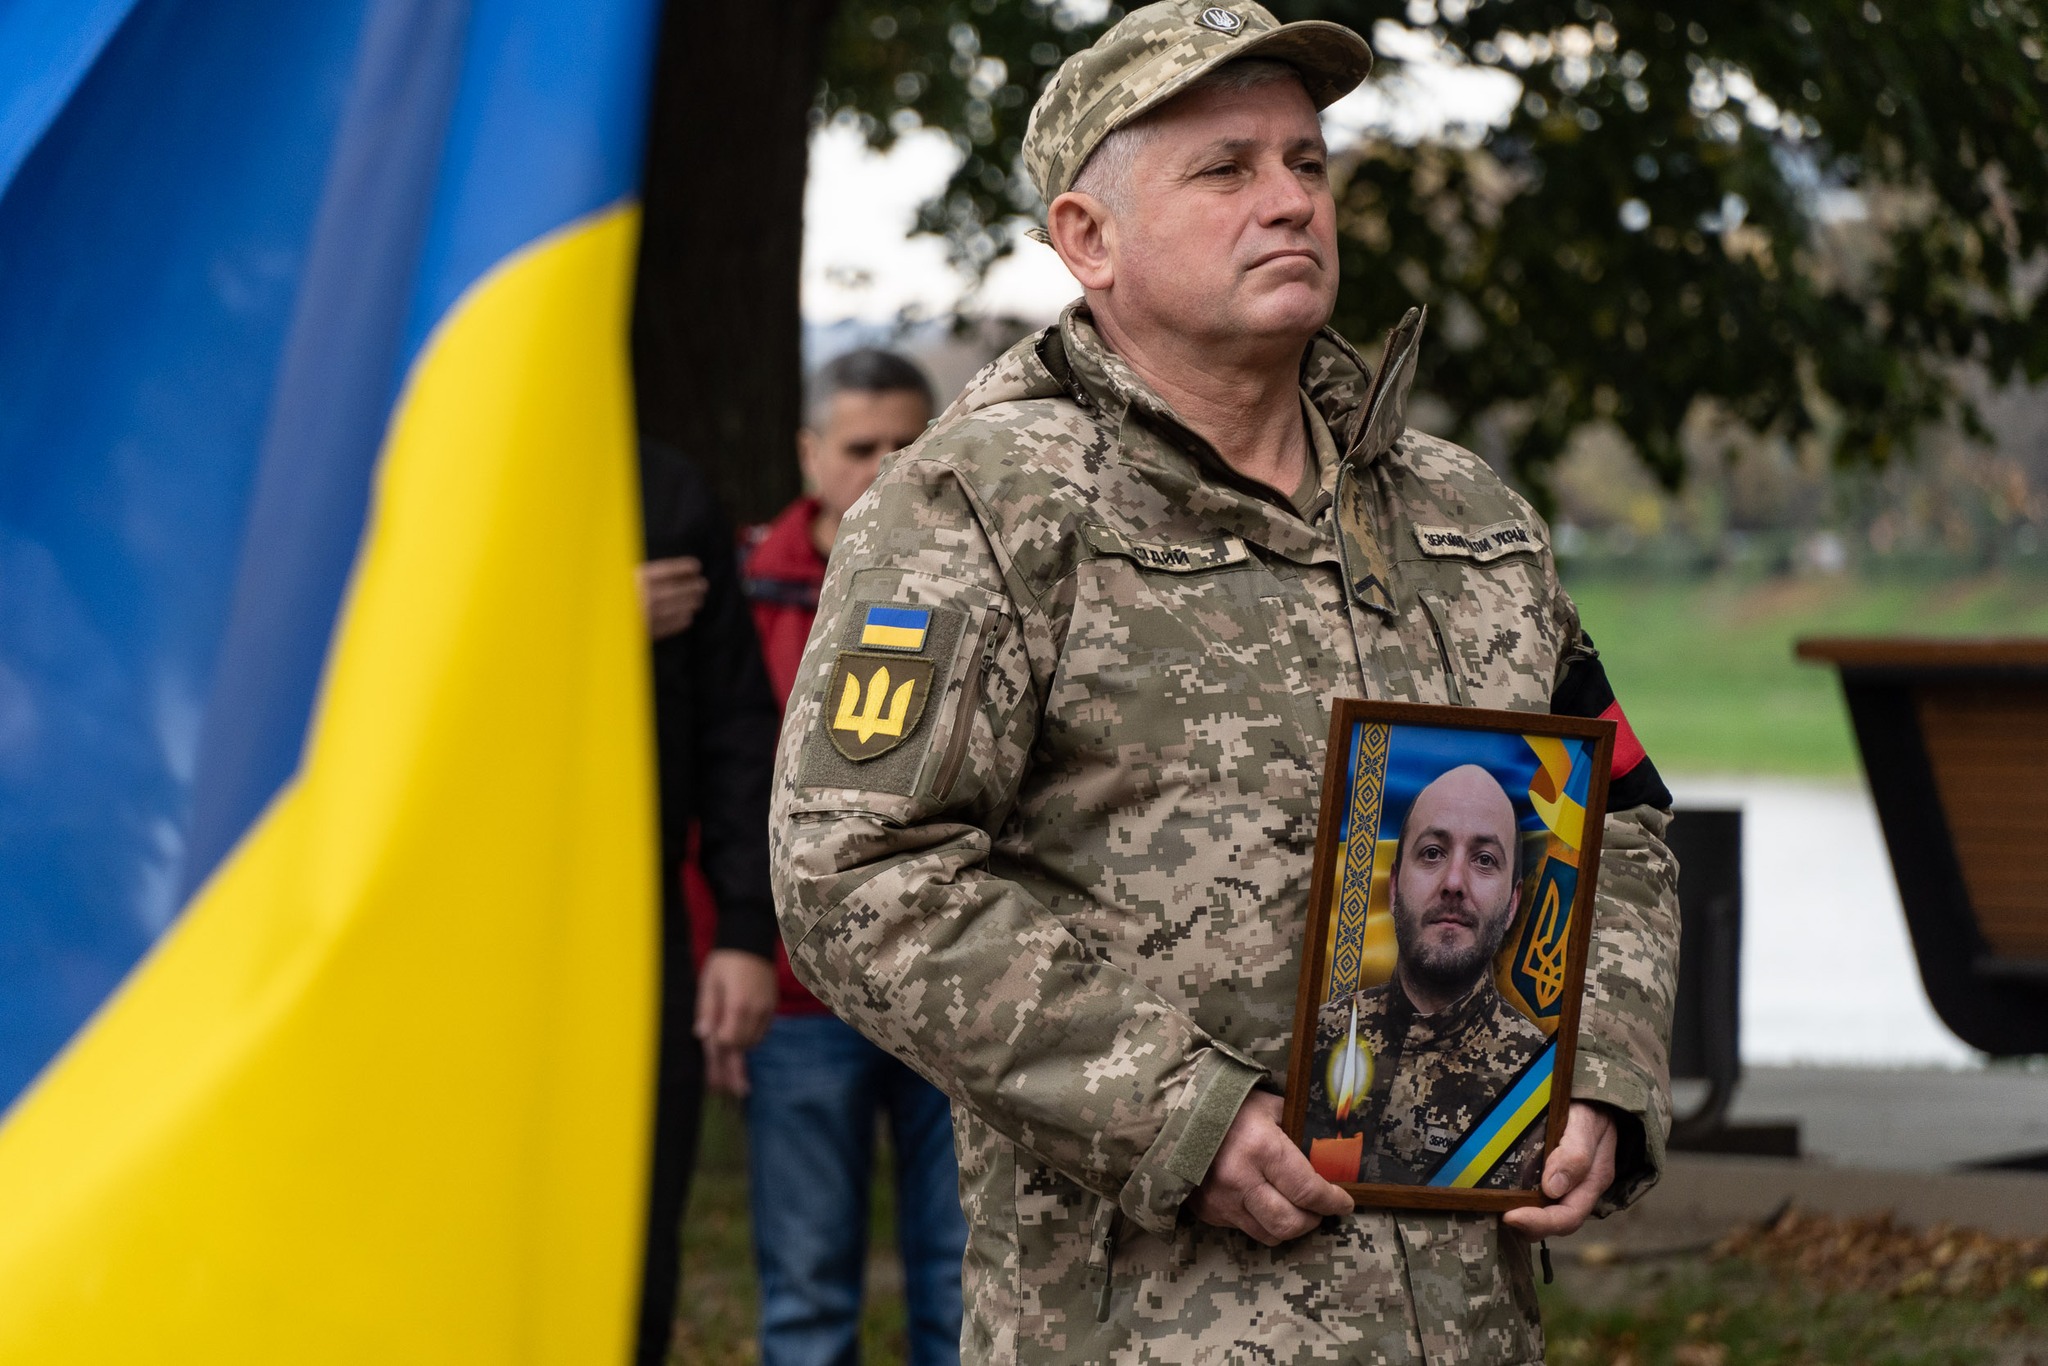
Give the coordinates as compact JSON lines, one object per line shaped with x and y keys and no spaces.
{"x":202,"y":339}
{"x":905,"y":618}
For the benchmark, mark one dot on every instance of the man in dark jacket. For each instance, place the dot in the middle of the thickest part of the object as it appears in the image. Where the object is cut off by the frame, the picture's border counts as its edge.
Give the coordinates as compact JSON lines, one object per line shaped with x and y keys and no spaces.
{"x":715,"y":724}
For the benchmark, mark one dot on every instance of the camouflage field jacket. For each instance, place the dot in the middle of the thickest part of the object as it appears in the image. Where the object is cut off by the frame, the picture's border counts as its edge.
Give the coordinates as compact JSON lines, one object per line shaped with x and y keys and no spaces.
{"x":1045,"y":813}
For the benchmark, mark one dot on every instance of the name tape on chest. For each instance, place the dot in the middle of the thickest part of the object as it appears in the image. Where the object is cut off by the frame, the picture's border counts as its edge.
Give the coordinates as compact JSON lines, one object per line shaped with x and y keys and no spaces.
{"x":1482,"y":546}
{"x":1187,"y":557}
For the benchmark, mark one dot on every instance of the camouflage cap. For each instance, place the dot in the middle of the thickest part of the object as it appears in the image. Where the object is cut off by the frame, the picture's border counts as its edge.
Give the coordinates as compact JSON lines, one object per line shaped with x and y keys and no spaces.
{"x":1155,"y":53}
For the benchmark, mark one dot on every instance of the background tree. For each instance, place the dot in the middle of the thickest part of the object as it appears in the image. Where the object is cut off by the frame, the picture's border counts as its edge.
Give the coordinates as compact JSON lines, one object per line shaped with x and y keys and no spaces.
{"x":1806,"y":211}
{"x":716,"y":326}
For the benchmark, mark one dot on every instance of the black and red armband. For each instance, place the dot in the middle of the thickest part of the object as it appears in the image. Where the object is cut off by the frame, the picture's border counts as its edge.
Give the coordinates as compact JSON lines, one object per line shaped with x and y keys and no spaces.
{"x":1585,"y":691}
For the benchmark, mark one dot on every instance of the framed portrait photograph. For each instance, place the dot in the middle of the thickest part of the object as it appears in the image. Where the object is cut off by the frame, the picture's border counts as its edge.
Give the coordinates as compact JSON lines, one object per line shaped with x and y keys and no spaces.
{"x":1446,"y":951}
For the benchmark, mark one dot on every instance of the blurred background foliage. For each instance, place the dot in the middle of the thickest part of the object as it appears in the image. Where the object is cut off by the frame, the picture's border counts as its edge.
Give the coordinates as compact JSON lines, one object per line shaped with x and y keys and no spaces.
{"x":1810,"y":229}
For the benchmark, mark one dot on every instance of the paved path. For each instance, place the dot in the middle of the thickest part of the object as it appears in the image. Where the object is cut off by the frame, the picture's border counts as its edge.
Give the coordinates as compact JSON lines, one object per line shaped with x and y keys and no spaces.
{"x":1828,"y":974}
{"x":1703,"y":1197}
{"x":1838,"y":1036}
{"x":1922,"y":1119}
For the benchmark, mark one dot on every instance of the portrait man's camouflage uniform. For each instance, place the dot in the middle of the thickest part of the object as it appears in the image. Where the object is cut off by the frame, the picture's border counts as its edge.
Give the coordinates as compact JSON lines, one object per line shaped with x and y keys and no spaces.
{"x":1434,"y":1078}
{"x":1046,"y":808}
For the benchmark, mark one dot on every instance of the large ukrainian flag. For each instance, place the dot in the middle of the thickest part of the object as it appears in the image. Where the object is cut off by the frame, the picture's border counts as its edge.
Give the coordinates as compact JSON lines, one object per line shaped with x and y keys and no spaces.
{"x":326,"y":872}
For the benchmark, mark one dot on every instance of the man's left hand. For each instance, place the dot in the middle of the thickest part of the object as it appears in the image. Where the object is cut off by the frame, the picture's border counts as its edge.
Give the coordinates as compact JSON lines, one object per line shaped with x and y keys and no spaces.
{"x":1577,"y":1172}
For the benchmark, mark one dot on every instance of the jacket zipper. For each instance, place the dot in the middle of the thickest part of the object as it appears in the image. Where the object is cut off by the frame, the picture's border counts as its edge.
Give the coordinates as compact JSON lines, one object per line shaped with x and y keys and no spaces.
{"x":1108,"y":1269}
{"x":963,"y":715}
{"x":1454,"y":687}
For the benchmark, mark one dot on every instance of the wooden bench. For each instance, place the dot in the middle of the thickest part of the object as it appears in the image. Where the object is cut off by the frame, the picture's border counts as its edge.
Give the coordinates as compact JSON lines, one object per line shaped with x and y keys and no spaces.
{"x":1954,"y":736}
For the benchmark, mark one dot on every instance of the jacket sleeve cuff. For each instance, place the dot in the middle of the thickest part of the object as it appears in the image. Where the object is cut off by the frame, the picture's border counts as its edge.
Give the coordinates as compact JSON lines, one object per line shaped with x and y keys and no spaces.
{"x":748,"y":926}
{"x":1179,"y":1158}
{"x":1641,"y":1125}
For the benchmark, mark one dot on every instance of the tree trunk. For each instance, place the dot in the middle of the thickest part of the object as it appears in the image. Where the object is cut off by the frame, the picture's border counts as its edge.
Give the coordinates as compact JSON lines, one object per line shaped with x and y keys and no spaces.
{"x":716,"y":326}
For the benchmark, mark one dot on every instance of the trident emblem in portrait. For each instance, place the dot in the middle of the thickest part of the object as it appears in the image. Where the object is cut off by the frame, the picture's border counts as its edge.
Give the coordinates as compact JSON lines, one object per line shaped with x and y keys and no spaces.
{"x":1439,"y":998}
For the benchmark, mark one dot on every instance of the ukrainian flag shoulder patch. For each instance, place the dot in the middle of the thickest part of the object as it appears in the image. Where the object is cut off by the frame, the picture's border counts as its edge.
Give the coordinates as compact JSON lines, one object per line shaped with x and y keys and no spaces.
{"x":895,"y":628}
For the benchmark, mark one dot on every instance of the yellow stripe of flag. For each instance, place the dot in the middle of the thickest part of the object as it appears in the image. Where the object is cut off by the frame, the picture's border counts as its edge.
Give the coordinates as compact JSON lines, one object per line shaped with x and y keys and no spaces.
{"x":896,"y":628}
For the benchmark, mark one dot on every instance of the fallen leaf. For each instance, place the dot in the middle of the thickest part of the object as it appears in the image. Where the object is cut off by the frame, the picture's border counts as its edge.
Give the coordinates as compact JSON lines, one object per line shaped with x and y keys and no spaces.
{"x":1598,"y":1254}
{"x":1873,"y":1253}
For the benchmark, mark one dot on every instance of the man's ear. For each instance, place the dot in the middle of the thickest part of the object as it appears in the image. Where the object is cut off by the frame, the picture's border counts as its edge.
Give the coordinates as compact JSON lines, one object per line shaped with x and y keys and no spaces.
{"x":1083,"y":232}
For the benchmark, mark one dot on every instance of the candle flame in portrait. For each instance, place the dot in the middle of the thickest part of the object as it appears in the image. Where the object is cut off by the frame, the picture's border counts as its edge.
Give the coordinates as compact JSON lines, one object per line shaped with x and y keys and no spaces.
{"x":1350,"y":1071}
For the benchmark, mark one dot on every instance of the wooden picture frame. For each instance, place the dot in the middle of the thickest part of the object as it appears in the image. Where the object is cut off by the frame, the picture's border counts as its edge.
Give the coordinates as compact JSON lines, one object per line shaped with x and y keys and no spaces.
{"x":1435,"y":1134}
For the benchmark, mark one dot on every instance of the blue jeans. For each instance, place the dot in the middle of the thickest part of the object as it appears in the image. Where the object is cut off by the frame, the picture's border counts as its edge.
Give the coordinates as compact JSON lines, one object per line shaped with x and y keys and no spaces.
{"x":815,"y":1088}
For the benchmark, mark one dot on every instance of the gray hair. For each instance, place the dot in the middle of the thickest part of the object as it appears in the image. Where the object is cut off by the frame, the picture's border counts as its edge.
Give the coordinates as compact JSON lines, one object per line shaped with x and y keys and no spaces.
{"x":869,"y":370}
{"x":1106,"y":175}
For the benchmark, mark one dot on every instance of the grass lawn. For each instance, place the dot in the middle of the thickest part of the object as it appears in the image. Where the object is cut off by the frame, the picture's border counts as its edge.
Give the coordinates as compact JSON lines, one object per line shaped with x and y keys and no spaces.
{"x":1705,"y":670}
{"x":1735,"y":1313}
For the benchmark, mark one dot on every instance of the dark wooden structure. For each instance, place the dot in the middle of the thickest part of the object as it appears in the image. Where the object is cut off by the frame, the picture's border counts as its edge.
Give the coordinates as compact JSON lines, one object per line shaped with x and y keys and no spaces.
{"x":1954,"y":736}
{"x":1706,"y":1035}
{"x":1705,"y":1029}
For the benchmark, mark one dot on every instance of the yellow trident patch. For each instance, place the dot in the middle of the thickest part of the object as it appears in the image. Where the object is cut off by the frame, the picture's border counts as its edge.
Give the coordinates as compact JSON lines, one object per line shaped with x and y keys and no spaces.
{"x":879,"y":701}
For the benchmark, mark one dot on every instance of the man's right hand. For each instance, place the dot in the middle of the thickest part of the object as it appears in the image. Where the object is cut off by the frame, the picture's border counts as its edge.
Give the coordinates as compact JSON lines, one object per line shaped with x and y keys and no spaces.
{"x":735,"y":1006}
{"x":671,"y":592}
{"x":1261,"y":1183}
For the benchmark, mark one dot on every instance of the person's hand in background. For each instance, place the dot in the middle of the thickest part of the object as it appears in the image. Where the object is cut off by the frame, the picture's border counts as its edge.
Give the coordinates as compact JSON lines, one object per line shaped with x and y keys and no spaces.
{"x":735,"y":1005}
{"x":671,"y":594}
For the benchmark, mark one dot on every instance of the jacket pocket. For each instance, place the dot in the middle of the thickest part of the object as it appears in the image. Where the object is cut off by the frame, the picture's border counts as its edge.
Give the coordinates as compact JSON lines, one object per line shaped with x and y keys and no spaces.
{"x":1493,"y":649}
{"x":1059,"y":1270}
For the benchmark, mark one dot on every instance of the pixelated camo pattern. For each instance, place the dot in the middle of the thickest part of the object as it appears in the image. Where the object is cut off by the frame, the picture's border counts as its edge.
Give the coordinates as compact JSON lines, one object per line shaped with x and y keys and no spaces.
{"x":1080,"y":910}
{"x":1447,"y":1073}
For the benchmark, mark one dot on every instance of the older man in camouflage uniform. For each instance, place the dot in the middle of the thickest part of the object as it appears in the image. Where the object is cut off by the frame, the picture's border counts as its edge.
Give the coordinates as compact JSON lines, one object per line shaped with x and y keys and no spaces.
{"x":1047,"y":797}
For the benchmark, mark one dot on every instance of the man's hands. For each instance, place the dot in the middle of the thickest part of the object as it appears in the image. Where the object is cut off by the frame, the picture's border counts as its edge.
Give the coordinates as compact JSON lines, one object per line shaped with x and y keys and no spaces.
{"x":1578,"y":1170}
{"x":1261,"y":1183}
{"x":671,"y":594}
{"x":735,"y":1003}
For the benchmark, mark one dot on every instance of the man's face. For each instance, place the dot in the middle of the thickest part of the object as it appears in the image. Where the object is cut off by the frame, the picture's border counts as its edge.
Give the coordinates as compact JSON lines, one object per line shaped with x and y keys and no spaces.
{"x":1455,"y":890}
{"x":840,"y":458}
{"x":1230,"y":230}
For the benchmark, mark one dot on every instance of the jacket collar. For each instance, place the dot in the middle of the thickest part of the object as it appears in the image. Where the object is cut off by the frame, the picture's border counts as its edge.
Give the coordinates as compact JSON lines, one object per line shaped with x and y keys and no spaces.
{"x":782,"y":550}
{"x":1450,"y":1026}
{"x":1364,"y":417}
